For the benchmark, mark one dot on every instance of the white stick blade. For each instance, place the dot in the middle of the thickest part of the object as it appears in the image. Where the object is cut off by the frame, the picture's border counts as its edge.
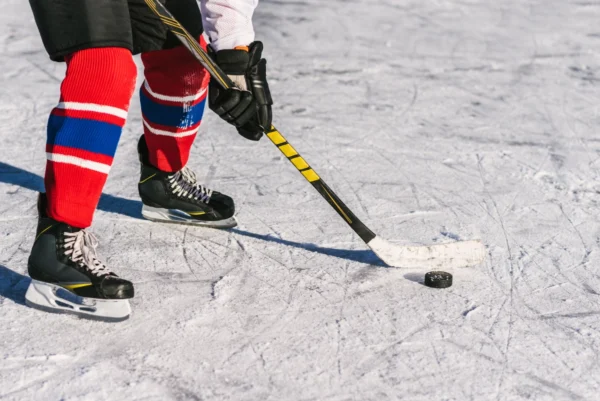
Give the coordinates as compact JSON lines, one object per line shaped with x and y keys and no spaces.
{"x":53,"y":298}
{"x":449,"y":255}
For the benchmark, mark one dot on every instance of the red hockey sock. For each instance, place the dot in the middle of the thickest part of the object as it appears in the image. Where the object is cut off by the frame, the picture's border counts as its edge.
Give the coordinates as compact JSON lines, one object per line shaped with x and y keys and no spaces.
{"x":172,"y":98}
{"x":84,"y":130}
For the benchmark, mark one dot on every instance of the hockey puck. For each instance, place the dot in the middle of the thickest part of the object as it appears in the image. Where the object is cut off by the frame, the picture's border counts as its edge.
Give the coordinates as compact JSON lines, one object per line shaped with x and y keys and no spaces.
{"x":438,"y":279}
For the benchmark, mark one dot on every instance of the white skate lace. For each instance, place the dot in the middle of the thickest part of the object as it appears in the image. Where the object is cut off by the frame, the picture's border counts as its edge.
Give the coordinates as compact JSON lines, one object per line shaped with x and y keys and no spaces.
{"x":81,"y":248}
{"x":185,"y":184}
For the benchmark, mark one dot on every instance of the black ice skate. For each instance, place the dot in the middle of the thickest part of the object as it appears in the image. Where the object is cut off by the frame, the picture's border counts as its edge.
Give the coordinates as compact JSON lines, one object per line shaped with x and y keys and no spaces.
{"x":179,"y":198}
{"x":67,"y":275}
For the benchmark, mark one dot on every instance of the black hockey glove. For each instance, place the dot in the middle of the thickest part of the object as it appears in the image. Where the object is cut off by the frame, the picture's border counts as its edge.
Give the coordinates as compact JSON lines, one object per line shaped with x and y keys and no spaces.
{"x":247,"y":107}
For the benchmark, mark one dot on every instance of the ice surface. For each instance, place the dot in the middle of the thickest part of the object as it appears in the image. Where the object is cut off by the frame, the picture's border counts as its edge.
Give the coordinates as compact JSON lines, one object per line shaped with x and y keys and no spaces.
{"x":433,"y":120}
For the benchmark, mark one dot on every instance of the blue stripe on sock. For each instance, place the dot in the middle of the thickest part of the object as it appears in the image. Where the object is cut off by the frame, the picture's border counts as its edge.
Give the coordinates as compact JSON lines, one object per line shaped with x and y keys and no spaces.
{"x":171,"y":116}
{"x":90,"y":135}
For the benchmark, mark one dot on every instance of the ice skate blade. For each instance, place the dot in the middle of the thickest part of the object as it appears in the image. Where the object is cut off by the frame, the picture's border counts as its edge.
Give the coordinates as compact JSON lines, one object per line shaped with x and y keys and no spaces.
{"x":178,"y":217}
{"x":55,"y":299}
{"x":449,"y":255}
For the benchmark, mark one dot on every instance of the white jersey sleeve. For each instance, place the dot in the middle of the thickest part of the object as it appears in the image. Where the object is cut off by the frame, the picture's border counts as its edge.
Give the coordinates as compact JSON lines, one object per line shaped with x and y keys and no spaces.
{"x":228,"y":23}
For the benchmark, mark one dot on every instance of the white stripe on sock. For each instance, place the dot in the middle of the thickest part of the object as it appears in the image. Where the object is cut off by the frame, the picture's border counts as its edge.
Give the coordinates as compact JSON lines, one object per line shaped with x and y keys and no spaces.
{"x":98,"y":108}
{"x":184,"y":99}
{"x":167,"y":133}
{"x":77,"y":161}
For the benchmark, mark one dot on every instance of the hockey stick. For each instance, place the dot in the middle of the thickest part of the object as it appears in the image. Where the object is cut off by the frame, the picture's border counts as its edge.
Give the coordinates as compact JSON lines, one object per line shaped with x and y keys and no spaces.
{"x":454,"y":254}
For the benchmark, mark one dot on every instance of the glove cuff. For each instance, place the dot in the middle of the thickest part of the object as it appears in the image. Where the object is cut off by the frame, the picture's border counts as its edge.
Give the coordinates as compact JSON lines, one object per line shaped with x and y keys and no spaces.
{"x":232,"y":62}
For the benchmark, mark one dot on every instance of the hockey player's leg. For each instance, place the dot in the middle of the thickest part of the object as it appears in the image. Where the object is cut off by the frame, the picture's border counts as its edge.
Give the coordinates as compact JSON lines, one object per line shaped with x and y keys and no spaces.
{"x":84,"y":130}
{"x":173,"y":99}
{"x":83,"y":133}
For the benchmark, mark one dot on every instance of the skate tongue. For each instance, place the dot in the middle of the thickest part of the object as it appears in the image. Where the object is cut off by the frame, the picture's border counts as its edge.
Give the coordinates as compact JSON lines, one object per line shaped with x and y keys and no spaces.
{"x":71,"y":229}
{"x":185,"y":183}
{"x":189,"y":175}
{"x":81,"y":247}
{"x":63,"y":226}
